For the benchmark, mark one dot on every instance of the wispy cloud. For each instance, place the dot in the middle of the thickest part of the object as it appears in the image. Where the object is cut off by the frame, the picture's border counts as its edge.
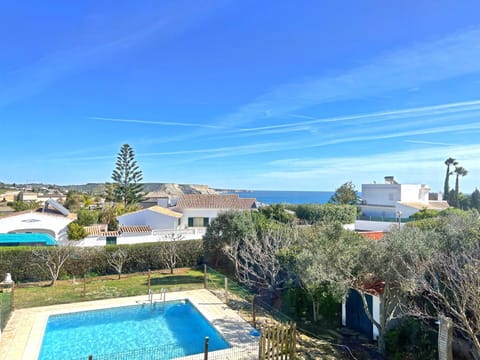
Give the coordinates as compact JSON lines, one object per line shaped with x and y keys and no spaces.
{"x":424,"y":112}
{"x":404,"y":68}
{"x":427,"y":164}
{"x":148,"y":122}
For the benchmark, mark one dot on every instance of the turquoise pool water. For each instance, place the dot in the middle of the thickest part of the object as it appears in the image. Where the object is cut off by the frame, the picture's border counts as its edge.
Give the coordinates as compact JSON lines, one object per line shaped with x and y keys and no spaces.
{"x":26,"y":239}
{"x":162,"y":332}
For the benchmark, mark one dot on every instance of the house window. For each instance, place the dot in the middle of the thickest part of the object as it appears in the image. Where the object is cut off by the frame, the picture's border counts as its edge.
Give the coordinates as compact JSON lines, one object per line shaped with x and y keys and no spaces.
{"x":198,"y":221}
{"x":390,"y":196}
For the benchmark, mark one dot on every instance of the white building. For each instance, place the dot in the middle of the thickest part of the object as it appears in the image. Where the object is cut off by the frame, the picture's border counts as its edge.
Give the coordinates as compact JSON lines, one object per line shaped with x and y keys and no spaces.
{"x":392,"y":200}
{"x":157,"y":217}
{"x":37,"y":223}
{"x":200,"y":209}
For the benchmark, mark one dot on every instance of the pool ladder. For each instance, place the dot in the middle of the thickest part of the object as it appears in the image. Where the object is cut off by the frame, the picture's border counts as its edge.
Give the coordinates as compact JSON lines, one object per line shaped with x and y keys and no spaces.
{"x":163,"y":296}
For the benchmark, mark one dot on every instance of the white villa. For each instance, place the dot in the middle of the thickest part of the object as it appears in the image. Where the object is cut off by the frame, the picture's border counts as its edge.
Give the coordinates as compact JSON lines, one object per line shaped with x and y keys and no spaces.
{"x":189,"y":219}
{"x":394,"y":200}
{"x":27,"y":222}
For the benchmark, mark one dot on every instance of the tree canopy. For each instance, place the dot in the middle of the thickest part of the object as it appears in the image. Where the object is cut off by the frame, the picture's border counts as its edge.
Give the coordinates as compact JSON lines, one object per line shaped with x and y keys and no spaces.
{"x":127,"y":177}
{"x":346,"y":194}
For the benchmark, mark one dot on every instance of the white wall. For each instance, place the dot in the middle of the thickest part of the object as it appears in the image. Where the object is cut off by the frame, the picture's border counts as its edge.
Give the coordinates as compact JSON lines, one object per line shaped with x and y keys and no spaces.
{"x":203,"y":213}
{"x":151,"y":218}
{"x":365,"y":225}
{"x":381,"y":194}
{"x":375,"y":315}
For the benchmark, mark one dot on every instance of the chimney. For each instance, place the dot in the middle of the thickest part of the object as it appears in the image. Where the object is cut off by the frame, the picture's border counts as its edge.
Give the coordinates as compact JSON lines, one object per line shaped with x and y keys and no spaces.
{"x":390,"y":180}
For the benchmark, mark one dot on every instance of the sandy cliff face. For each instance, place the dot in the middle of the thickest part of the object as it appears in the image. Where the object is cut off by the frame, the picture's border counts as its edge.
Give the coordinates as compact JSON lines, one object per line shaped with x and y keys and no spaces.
{"x":175,"y":190}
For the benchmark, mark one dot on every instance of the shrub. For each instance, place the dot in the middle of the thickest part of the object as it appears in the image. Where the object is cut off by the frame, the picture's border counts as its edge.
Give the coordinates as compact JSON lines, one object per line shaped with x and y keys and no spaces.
{"x":315,"y":213}
{"x":75,"y":231}
{"x":25,"y":267}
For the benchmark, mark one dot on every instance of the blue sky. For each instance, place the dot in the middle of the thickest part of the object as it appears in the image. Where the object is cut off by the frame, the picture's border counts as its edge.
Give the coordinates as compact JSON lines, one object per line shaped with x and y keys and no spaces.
{"x":279,"y":95}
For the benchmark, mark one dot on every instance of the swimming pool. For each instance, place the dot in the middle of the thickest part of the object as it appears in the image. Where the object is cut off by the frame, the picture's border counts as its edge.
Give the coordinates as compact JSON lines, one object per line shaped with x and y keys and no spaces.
{"x":167,"y":331}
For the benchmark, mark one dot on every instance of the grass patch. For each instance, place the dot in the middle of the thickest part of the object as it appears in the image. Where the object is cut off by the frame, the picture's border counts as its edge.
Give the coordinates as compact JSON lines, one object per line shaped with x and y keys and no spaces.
{"x":104,"y":287}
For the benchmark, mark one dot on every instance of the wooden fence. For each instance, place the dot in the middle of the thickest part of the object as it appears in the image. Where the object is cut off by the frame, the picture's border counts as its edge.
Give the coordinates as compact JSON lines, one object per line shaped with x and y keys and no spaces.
{"x":278,"y":342}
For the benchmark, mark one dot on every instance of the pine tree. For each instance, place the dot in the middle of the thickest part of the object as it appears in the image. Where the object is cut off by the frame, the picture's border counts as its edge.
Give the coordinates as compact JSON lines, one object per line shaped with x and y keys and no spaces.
{"x":127,"y":177}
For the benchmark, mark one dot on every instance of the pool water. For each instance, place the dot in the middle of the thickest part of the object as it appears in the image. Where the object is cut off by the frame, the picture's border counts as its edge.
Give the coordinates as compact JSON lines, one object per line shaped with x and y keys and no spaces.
{"x":162,"y":331}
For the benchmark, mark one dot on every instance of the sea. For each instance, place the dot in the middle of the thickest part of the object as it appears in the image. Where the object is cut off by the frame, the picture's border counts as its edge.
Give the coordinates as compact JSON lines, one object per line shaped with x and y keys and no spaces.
{"x":287,"y":197}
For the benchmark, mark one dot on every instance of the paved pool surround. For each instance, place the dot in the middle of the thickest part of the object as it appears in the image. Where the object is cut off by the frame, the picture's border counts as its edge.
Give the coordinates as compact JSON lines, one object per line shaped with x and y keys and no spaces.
{"x":23,"y":335}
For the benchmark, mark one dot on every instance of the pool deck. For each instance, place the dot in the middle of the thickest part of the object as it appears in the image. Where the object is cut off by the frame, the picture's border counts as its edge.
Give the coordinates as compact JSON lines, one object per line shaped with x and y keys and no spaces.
{"x":22,"y":337}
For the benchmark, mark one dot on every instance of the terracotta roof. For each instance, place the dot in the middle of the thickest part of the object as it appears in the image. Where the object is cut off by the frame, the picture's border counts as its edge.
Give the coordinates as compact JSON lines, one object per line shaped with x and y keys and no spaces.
{"x":164,"y":211}
{"x":211,"y":201}
{"x":135,"y":229}
{"x":95,"y":230}
{"x":372,"y":235}
{"x":101,"y":230}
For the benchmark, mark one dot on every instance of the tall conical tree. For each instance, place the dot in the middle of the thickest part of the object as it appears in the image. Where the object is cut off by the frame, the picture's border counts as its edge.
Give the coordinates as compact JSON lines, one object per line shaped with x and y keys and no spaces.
{"x":459,"y":171}
{"x":127,"y":177}
{"x":446,"y":188}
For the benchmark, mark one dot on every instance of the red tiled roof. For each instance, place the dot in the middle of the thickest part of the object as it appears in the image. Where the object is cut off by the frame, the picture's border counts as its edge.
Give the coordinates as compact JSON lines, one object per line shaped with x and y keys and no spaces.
{"x":101,"y":230}
{"x":135,"y":229}
{"x":210,"y":201}
{"x":373,"y":235}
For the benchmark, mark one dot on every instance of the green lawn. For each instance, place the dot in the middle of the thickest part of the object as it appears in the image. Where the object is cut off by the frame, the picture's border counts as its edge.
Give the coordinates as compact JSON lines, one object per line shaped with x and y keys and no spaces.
{"x":65,"y":291}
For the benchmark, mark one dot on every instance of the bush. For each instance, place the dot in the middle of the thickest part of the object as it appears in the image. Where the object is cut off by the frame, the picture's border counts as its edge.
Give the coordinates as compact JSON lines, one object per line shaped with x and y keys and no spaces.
{"x":87,"y":217}
{"x":411,"y":339}
{"x":315,"y":213}
{"x":25,"y":267}
{"x":424,"y":214}
{"x":75,"y":231}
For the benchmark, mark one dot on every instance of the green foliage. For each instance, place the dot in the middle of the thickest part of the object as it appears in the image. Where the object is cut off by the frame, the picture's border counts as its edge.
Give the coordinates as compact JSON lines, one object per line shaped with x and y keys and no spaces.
{"x":25,"y":205}
{"x":424,"y":214}
{"x":315,"y":213}
{"x":278,"y":213}
{"x":24,"y":266}
{"x":475,"y":200}
{"x":127,"y":177}
{"x":225,"y":229}
{"x":411,"y":339}
{"x":346,"y":194}
{"x":423,"y":224}
{"x":74,"y":201}
{"x":87,"y":217}
{"x":75,"y":231}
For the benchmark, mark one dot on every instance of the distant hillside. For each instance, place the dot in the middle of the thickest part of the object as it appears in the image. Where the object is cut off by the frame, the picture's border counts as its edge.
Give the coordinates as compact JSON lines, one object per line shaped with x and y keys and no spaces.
{"x":164,"y":189}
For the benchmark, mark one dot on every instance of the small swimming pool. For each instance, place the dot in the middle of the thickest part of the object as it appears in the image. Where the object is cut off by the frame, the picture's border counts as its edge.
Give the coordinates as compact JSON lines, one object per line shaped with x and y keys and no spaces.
{"x":163,"y":331}
{"x":26,"y":239}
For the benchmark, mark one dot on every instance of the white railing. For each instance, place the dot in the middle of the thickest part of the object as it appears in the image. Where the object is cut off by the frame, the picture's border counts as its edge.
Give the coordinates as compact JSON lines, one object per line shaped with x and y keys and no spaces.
{"x":191,"y":233}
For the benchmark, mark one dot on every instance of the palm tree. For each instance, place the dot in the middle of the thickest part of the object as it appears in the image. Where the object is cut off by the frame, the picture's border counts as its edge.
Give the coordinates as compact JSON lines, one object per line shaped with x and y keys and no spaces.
{"x":459,"y":171}
{"x":446,"y":188}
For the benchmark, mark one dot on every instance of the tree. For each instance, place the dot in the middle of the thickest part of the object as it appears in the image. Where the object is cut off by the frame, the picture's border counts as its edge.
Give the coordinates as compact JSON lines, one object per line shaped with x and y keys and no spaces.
{"x":74,"y":201}
{"x":257,"y":260}
{"x":75,"y":231}
{"x":53,"y":258}
{"x":450,"y":283}
{"x":87,"y":217}
{"x":446,"y":188}
{"x":116,"y":259}
{"x":226,"y":229}
{"x":127,"y":177}
{"x":346,"y":194}
{"x":278,"y":213}
{"x":475,"y":199}
{"x":459,"y":171}
{"x":168,"y":250}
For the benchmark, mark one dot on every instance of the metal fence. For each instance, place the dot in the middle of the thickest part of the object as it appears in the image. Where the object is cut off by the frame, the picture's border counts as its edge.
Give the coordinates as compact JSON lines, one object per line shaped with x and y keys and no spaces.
{"x":176,"y":352}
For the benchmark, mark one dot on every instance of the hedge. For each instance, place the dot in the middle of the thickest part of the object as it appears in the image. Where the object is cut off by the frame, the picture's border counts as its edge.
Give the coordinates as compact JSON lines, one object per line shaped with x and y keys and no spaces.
{"x":26,"y":267}
{"x":313,"y":213}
